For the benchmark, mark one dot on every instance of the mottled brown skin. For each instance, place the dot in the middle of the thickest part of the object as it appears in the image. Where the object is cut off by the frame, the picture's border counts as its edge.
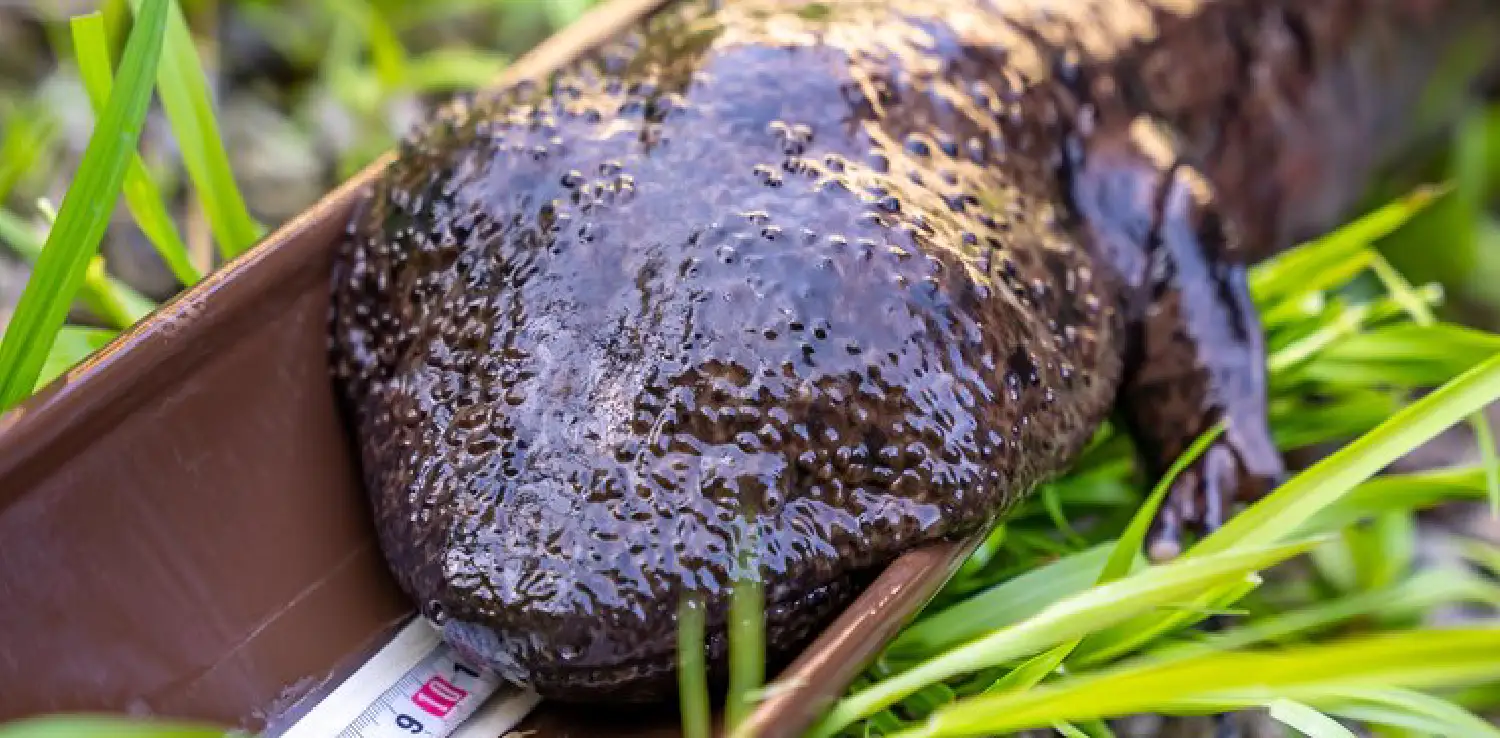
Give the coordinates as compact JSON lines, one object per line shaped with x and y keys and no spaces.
{"x":860,"y":273}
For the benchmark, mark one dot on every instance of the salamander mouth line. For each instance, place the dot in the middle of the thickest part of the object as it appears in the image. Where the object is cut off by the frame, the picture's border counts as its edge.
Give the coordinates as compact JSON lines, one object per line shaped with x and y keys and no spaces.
{"x":716,"y":633}
{"x":646,"y":677}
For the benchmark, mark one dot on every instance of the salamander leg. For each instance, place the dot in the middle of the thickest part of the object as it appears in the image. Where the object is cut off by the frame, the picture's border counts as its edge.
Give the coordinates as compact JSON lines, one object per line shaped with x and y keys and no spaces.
{"x":1197,"y":358}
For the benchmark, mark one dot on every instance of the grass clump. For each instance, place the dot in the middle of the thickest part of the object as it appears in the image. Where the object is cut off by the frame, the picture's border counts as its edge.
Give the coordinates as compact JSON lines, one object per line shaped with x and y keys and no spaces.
{"x":185,"y":98}
{"x":91,"y":45}
{"x":73,"y":240}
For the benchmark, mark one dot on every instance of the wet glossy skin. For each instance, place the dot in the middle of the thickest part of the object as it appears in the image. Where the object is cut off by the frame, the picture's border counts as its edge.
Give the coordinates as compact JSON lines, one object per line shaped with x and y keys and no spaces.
{"x":859,"y":272}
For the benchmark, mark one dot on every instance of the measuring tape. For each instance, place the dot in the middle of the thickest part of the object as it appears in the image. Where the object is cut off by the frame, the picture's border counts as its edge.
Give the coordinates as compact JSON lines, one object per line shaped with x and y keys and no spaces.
{"x":416,"y":686}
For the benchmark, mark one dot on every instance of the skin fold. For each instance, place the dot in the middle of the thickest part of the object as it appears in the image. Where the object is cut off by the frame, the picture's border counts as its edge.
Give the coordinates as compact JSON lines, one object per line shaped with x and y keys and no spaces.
{"x":829,"y":280}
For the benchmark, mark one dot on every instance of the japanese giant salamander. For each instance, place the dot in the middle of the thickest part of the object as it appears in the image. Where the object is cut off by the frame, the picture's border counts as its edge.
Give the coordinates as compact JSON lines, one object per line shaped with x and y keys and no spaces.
{"x":851,"y":275}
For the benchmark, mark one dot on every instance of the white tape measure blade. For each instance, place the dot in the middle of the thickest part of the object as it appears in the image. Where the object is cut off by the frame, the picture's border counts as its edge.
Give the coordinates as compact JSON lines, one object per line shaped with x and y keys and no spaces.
{"x":416,"y":687}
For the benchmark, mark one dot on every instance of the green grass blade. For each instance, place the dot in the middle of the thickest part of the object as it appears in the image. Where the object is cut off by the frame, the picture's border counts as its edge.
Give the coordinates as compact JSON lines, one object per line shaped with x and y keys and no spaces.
{"x":1002,"y":605}
{"x":1307,"y":720}
{"x":747,"y":649}
{"x":1408,"y":709}
{"x":1287,"y":508}
{"x":1122,"y":558}
{"x":74,"y":240}
{"x":983,"y":554}
{"x":1383,"y":551}
{"x":91,"y":46}
{"x":1127,"y":549}
{"x":1340,"y":417}
{"x":1422,"y":591}
{"x":1295,"y":305}
{"x":692,"y":672}
{"x":1079,"y":615}
{"x":91,"y":726}
{"x":1479,"y":697}
{"x":1484,"y":437}
{"x":1136,"y":633}
{"x":1031,"y":672}
{"x":1068,"y":730}
{"x":1415,"y":491}
{"x":105,"y":303}
{"x":1287,"y":274}
{"x":1052,"y":504}
{"x":1489,"y":459}
{"x":73,"y":345}
{"x":1346,"y":324}
{"x":1481,"y":553}
{"x":1416,"y":660}
{"x":1404,"y":354}
{"x":111,"y":299}
{"x":1403,"y":291}
{"x":29,"y":132}
{"x":185,"y":97}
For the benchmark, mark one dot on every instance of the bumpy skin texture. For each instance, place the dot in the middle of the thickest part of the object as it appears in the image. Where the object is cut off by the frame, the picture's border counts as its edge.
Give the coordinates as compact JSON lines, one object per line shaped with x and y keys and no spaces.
{"x":848,"y":275}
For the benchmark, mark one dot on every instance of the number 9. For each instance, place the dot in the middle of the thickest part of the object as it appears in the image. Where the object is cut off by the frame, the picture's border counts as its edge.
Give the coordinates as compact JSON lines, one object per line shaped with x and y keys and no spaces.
{"x":409,"y":723}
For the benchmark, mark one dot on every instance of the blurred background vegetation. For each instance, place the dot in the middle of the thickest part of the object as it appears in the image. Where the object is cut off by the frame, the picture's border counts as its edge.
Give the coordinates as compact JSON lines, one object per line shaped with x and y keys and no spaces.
{"x":305,"y":94}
